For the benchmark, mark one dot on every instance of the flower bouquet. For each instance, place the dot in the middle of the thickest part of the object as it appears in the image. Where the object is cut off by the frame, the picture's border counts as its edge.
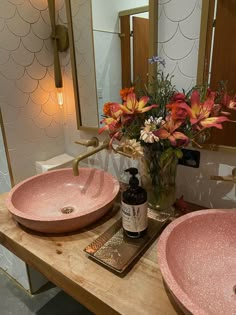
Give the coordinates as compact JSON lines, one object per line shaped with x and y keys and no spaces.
{"x":156,"y":124}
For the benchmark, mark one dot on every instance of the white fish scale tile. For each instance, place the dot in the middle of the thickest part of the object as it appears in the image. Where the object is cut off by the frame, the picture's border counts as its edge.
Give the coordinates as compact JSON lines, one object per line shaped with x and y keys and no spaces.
{"x":41,"y":29}
{"x":48,"y":43}
{"x":36,"y":70}
{"x":160,"y":10}
{"x":4,"y":56}
{"x":62,"y":13}
{"x":27,"y":12}
{"x":50,"y":107}
{"x":53,"y":130}
{"x":9,"y":41}
{"x":190,"y":27}
{"x":184,"y":45}
{"x":17,"y":2}
{"x":17,"y":25}
{"x":180,"y":48}
{"x":11,"y":70}
{"x":11,"y":113}
{"x":6,"y":87}
{"x":60,"y":5}
{"x":47,"y":84}
{"x":44,"y":56}
{"x":27,"y":84}
{"x":65,"y":59}
{"x":16,"y":99}
{"x":32,"y":42}
{"x":46,"y":17}
{"x":22,"y":56}
{"x":168,"y":29}
{"x":188,"y":65}
{"x":31,"y":109}
{"x":2,"y":23}
{"x":42,"y":120}
{"x":161,"y":2}
{"x":39,"y":96}
{"x":51,"y":71}
{"x":7,"y":9}
{"x":39,"y":4}
{"x":179,"y":10}
{"x":181,"y":81}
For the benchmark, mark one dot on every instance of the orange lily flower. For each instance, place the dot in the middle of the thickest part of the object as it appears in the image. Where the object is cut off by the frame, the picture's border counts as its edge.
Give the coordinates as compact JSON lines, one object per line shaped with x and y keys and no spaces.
{"x":168,"y":131}
{"x":124,"y":92}
{"x":133,"y":106}
{"x":111,"y":124}
{"x":200,"y":112}
{"x":112,"y":120}
{"x":179,"y":110}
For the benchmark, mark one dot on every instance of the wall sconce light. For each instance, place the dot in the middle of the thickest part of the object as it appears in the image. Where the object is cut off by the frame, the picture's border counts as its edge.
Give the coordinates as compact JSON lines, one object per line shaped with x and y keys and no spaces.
{"x":60,"y":43}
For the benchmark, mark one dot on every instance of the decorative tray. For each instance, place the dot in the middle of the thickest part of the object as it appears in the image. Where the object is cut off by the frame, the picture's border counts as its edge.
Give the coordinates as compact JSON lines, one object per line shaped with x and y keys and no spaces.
{"x":117,"y":251}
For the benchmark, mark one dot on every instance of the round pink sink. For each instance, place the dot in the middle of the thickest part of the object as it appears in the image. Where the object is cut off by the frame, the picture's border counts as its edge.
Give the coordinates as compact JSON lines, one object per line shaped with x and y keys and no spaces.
{"x":58,"y":201}
{"x":197,"y":258}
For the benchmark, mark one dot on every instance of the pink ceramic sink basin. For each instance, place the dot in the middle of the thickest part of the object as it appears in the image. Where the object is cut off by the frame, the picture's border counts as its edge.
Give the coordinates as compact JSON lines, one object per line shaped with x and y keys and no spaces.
{"x":197,"y":258}
{"x":58,"y":201}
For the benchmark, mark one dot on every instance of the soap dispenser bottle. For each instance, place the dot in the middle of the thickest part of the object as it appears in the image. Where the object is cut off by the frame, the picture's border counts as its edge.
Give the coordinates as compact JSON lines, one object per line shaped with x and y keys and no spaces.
{"x":134,"y":207}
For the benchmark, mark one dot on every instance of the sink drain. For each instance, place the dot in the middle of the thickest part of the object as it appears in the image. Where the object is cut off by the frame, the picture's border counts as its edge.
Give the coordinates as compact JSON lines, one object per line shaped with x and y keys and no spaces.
{"x":67,"y":210}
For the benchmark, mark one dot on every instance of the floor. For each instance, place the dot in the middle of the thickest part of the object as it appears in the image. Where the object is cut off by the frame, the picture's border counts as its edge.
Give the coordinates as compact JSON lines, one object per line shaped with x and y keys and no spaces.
{"x":14,"y":300}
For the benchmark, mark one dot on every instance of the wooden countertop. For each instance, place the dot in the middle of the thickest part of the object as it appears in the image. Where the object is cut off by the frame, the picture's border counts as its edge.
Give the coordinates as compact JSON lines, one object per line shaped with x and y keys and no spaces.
{"x":62,"y":260}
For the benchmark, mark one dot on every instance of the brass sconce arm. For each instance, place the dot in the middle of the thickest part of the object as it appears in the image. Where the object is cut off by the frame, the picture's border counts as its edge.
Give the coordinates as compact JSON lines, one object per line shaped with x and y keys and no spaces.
{"x":60,"y":42}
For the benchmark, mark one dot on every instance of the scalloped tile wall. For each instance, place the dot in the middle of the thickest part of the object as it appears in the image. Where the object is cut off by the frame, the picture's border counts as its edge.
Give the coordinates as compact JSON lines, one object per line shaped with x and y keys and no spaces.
{"x":33,"y":122}
{"x":178,"y":39}
{"x":28,"y":98}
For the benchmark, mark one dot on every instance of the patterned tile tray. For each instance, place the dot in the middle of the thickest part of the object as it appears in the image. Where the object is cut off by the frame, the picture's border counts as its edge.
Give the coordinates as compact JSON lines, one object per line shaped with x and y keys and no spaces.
{"x":117,"y":251}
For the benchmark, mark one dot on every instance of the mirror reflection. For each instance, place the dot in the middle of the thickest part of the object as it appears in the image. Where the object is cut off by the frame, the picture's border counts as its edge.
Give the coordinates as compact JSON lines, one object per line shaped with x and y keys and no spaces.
{"x":189,"y":57}
{"x":101,"y":80}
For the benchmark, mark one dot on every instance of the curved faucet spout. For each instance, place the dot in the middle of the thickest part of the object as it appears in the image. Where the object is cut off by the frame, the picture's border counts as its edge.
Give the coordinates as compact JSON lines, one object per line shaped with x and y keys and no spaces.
{"x":81,"y":157}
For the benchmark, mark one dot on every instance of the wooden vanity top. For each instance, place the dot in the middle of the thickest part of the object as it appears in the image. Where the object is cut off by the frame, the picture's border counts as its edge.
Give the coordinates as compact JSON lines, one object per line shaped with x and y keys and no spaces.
{"x":62,"y":260}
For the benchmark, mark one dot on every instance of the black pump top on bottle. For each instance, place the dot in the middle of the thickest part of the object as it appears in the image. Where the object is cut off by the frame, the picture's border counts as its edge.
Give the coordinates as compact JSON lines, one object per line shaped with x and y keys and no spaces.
{"x":134,"y":195}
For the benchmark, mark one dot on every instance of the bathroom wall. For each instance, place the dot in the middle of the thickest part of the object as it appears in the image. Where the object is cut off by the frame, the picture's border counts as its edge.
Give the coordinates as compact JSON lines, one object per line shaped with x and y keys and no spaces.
{"x":178,"y":43}
{"x":33,"y":120}
{"x":178,"y":39}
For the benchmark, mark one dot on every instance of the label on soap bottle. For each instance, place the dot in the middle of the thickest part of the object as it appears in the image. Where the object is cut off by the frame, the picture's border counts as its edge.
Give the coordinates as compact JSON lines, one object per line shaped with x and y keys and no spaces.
{"x":134,"y":217}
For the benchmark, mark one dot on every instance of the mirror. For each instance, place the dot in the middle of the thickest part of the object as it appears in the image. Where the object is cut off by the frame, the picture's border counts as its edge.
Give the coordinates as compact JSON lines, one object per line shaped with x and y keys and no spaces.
{"x":180,"y":42}
{"x":97,"y":52}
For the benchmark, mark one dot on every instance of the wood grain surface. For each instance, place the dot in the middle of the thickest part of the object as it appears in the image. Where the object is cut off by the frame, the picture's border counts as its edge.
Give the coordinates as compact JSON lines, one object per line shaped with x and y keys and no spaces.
{"x":61,"y":259}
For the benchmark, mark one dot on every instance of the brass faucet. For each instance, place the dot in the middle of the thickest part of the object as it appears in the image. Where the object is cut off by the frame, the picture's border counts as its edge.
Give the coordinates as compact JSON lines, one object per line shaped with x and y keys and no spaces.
{"x":81,"y":157}
{"x":229,"y":178}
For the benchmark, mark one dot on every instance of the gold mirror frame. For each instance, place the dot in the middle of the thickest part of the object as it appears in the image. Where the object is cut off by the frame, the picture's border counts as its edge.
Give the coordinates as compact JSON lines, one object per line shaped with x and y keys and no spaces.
{"x":2,"y":130}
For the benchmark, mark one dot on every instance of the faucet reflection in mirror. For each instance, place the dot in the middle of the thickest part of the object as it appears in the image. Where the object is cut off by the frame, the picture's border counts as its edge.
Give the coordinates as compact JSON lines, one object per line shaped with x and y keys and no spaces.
{"x":153,"y":125}
{"x":60,"y":43}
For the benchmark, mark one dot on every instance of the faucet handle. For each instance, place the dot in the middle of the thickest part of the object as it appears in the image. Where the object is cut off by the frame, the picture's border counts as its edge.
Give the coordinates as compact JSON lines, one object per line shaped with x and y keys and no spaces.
{"x":229,"y":178}
{"x":93,"y":142}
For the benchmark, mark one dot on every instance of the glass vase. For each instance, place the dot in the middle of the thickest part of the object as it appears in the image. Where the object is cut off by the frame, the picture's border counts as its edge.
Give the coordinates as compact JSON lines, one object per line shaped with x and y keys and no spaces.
{"x":158,"y":177}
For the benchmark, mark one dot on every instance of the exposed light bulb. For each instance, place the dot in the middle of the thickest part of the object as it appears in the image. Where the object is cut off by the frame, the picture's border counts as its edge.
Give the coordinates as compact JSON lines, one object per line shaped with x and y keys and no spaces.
{"x":60,"y":97}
